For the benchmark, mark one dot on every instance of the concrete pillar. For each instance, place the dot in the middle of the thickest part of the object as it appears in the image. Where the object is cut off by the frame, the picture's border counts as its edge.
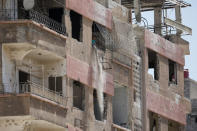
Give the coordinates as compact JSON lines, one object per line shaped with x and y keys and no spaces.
{"x":1,"y":63}
{"x":178,"y":17}
{"x":144,"y":86}
{"x":109,"y":114}
{"x":69,"y":95}
{"x":132,"y":114}
{"x":89,"y":110}
{"x":148,"y":121}
{"x":158,"y":20}
{"x":163,"y":124}
{"x":68,"y":22}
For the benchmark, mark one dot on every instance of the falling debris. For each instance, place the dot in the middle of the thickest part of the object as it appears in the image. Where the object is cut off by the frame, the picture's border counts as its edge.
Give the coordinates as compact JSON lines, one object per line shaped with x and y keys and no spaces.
{"x":98,"y":78}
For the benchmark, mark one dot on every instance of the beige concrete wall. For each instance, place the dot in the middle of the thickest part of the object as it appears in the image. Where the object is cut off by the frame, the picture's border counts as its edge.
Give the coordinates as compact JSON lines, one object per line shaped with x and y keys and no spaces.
{"x":118,"y":11}
{"x":27,"y":123}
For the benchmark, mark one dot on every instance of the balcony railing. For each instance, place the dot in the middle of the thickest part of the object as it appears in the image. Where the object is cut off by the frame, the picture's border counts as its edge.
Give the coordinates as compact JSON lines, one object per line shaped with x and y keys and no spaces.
{"x":119,"y":128}
{"x":13,"y":14}
{"x":38,"y":90}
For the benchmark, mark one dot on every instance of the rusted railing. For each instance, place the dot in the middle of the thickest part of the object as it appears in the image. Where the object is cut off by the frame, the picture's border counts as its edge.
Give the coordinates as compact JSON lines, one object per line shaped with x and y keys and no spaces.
{"x":119,"y":128}
{"x":38,"y":90}
{"x":13,"y":14}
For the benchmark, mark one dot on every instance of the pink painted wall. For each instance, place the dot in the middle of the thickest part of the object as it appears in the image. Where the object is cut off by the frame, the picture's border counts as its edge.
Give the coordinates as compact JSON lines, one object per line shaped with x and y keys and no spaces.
{"x":92,"y":10}
{"x":165,"y":107}
{"x":82,"y":72}
{"x":164,"y":47}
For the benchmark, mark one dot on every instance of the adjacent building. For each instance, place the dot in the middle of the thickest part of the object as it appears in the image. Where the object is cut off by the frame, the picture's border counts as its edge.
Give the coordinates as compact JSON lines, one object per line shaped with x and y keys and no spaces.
{"x":191,"y":94}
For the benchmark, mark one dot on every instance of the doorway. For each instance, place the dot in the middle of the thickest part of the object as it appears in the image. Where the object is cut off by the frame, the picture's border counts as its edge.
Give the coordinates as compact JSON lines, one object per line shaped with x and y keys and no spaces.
{"x":24,"y":79}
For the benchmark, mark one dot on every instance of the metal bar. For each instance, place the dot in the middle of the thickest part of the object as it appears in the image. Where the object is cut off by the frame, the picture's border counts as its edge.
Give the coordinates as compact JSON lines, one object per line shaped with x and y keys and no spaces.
{"x":178,"y":2}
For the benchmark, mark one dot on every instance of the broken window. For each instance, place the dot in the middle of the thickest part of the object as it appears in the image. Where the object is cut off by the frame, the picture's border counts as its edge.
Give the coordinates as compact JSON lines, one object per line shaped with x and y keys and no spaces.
{"x":97,"y":112}
{"x":77,"y":27}
{"x":172,"y":72}
{"x":78,"y":95}
{"x":97,"y":38}
{"x":24,"y":79}
{"x":153,"y":64}
{"x":56,"y":14}
{"x":55,"y":84}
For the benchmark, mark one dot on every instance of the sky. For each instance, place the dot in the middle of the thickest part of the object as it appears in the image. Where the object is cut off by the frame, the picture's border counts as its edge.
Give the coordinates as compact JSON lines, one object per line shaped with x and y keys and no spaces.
{"x":189,"y":18}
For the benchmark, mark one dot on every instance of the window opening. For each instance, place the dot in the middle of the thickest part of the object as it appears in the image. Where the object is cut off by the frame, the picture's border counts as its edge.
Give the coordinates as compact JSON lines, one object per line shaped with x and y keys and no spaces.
{"x":97,"y":38}
{"x":78,"y":95}
{"x":24,"y":79}
{"x":153,"y":65}
{"x":195,"y":119}
{"x":97,"y":112}
{"x":56,"y":14}
{"x":55,"y":84}
{"x":172,"y":72}
{"x":77,"y":28}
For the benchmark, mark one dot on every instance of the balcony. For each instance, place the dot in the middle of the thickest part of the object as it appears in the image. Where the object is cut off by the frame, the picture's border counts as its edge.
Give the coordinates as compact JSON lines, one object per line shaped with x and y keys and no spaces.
{"x":21,"y":14}
{"x":32,"y":100}
{"x":39,"y":91}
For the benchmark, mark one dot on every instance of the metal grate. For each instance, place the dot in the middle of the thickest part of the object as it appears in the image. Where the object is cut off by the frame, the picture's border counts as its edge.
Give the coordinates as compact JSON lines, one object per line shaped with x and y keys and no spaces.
{"x":12,"y":14}
{"x":147,"y":5}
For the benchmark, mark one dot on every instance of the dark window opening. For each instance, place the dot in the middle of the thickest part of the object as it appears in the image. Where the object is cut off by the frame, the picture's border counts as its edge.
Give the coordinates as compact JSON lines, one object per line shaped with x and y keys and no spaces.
{"x":55,"y":84}
{"x":153,"y":64}
{"x":24,"y":79}
{"x":195,"y":119}
{"x":78,"y":95}
{"x":21,"y":11}
{"x":134,"y":95}
{"x":97,"y":38}
{"x":153,"y":121}
{"x":56,"y":14}
{"x":97,"y":112}
{"x":172,"y":72}
{"x":77,"y":27}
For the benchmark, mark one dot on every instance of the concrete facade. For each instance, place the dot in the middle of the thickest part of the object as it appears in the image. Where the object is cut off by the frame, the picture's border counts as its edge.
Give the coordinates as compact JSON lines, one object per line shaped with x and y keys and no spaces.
{"x":83,"y":65}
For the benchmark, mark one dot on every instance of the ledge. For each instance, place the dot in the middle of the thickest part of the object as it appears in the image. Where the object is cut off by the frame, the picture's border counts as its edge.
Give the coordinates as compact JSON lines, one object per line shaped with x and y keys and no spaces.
{"x":34,"y":96}
{"x":35,"y":24}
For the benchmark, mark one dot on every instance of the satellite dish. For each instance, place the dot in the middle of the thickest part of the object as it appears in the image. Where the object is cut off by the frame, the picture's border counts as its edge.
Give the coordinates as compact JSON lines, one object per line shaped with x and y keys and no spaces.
{"x":137,"y":9}
{"x":28,"y":4}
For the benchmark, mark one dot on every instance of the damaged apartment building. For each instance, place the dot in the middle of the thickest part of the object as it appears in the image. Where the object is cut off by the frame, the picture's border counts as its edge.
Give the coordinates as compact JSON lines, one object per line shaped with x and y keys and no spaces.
{"x":92,"y":65}
{"x":190,"y":91}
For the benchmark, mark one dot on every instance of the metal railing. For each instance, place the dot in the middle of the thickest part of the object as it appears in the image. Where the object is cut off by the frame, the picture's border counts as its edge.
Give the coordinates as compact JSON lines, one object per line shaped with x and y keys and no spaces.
{"x":13,"y":14}
{"x":119,"y":128}
{"x":38,"y":90}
